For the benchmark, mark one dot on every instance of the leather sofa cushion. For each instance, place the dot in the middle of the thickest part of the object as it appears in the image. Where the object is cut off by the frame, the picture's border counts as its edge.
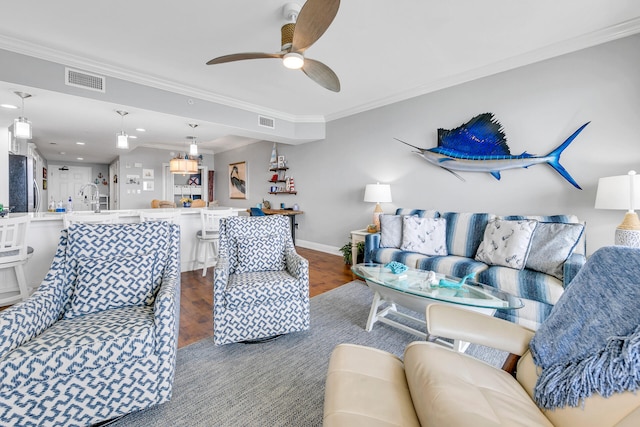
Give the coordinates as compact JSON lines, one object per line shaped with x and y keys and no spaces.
{"x":452,"y":389}
{"x":366,"y":387}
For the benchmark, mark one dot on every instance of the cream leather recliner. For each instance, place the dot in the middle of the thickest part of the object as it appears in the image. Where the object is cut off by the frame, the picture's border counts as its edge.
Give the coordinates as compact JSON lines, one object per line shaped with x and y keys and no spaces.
{"x":436,"y":386}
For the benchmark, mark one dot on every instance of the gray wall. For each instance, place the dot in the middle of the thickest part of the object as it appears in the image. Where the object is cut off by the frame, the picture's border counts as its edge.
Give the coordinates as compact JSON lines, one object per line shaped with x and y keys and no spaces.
{"x":539,"y":106}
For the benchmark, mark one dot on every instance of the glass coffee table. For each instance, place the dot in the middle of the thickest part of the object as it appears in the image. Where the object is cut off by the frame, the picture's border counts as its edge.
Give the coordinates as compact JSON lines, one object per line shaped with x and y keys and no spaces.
{"x":414,"y":290}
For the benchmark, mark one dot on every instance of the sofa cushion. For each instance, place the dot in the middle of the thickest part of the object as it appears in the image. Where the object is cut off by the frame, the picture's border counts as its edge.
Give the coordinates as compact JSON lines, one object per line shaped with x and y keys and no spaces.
{"x":83,"y":343}
{"x":114,"y":282}
{"x":451,"y":265}
{"x":551,"y":245}
{"x":390,"y":231}
{"x":424,"y":235}
{"x":525,"y":283}
{"x":386,"y":255}
{"x":260,"y":253}
{"x":465,"y":232}
{"x":261,"y":287}
{"x":581,"y":247}
{"x":452,"y":389}
{"x":506,"y":243}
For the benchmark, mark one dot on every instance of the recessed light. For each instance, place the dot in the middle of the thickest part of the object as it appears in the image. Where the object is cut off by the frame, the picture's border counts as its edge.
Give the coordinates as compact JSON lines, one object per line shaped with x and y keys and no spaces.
{"x":140,"y":130}
{"x":79,"y":143}
{"x":9,"y":106}
{"x":133,"y":137}
{"x":80,"y":158}
{"x":63,"y":153}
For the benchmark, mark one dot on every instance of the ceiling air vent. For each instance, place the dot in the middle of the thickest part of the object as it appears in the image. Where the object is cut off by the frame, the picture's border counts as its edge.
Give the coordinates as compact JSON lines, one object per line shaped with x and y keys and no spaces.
{"x":267,"y":122}
{"x":84,"y":80}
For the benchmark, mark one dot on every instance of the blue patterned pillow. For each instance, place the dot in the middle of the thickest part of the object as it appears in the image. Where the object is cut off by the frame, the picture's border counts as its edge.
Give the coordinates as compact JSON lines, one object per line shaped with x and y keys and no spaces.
{"x":114,"y":282}
{"x":506,"y":243}
{"x":424,"y":235}
{"x":390,"y":231}
{"x":263,"y":253}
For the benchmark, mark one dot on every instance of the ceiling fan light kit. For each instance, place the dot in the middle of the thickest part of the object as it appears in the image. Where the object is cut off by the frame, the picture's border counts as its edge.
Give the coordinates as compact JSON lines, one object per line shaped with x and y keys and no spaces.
{"x":307,"y":24}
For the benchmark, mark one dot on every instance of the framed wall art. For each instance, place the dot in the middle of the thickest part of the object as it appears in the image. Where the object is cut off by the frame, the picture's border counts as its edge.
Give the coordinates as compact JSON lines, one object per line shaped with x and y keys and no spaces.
{"x":238,"y":180}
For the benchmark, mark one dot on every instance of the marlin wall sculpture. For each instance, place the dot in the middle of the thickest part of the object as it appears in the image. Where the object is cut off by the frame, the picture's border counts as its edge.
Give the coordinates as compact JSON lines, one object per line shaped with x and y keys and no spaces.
{"x":480,"y":145}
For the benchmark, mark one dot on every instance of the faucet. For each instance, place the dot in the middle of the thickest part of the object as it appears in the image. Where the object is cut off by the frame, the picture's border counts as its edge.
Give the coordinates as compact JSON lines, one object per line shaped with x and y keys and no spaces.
{"x":95,"y":199}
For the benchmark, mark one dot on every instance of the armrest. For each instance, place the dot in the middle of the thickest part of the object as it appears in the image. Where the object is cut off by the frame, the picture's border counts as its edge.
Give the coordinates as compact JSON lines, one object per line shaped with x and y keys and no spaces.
{"x":457,"y":323}
{"x":24,"y":321}
{"x":296,"y":265}
{"x":371,"y":243}
{"x":220,"y":279}
{"x":572,"y":265}
{"x":166,"y":312}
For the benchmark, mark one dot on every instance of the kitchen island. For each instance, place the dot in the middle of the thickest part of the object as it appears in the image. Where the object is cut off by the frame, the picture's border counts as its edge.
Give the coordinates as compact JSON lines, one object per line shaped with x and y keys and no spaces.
{"x":44,"y":232}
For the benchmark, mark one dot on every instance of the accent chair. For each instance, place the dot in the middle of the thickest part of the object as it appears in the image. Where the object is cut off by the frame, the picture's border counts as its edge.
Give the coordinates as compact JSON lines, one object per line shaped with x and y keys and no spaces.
{"x":261,"y":285}
{"x":98,"y":338}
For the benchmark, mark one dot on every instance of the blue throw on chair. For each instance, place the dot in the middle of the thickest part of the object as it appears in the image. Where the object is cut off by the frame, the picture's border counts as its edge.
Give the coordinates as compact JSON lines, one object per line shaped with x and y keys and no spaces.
{"x":261,"y":285}
{"x":98,"y":338}
{"x":256,"y":212}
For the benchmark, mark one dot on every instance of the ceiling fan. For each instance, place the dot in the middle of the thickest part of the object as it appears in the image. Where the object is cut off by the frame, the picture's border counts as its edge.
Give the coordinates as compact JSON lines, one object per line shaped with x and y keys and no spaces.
{"x":306,"y":26}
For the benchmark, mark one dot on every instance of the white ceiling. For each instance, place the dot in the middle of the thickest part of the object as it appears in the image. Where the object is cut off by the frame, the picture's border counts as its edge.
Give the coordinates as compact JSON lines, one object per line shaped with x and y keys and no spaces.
{"x":382,"y":51}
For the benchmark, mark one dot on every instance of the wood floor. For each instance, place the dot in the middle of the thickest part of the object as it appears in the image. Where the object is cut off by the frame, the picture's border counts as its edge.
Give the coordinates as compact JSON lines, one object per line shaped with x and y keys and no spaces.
{"x":326,"y":272}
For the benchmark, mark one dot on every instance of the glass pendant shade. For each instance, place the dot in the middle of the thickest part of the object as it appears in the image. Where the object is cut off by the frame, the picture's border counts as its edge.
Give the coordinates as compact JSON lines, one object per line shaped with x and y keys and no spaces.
{"x":22,"y":128}
{"x":193,"y":149}
{"x":123,"y":140}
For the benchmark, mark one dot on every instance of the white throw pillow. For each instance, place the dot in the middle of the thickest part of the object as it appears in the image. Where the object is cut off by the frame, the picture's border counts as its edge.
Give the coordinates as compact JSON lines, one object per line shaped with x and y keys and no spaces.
{"x":424,"y":235}
{"x":390,"y":231}
{"x":551,"y":245}
{"x":506,"y":243}
{"x":263,"y":253}
{"x":114,"y":282}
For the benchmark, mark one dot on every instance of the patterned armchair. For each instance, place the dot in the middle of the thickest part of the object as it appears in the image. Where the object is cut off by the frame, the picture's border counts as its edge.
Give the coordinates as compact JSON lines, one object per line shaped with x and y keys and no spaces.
{"x":260,"y":283}
{"x":98,"y":338}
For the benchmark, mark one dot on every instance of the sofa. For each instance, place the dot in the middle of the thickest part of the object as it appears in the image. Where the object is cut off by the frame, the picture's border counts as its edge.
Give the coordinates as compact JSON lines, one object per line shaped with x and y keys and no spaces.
{"x":98,"y":339}
{"x":542,"y":254}
{"x":578,"y":369}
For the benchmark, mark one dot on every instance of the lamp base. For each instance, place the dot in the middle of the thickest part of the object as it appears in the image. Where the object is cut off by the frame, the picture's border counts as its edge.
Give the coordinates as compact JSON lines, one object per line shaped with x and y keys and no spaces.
{"x":376,"y":216}
{"x":629,"y":238}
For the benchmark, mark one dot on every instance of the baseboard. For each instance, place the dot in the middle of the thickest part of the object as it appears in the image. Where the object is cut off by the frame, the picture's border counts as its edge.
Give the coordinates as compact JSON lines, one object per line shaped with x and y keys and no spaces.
{"x":333,"y":250}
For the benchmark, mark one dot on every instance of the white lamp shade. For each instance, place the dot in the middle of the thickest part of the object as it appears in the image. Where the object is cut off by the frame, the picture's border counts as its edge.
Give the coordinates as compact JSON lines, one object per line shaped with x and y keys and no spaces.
{"x":22,"y":128}
{"x":614,"y":192}
{"x":123,"y":141}
{"x":193,"y":149}
{"x":377,"y":193}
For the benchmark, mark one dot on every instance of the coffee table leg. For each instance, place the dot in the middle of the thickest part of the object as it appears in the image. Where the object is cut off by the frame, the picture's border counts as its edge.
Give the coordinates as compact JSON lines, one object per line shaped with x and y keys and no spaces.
{"x":377,"y":301}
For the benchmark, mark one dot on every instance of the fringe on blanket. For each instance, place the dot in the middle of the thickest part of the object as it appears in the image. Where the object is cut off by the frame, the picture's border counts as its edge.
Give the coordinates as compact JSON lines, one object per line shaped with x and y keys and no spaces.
{"x":614,"y":369}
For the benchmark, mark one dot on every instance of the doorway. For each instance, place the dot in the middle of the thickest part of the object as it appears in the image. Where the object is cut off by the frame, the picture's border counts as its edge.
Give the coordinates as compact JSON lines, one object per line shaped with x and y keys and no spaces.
{"x":65,"y":181}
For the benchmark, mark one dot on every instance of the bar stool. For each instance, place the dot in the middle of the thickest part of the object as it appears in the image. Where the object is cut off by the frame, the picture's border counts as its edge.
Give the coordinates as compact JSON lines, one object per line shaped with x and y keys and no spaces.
{"x":169,"y":215}
{"x":208,"y":235}
{"x":14,"y":253}
{"x":98,"y":218}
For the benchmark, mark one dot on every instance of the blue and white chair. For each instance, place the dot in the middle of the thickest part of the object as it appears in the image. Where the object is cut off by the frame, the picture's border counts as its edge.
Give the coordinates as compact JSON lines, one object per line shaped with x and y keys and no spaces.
{"x":260,"y":283}
{"x":98,"y":338}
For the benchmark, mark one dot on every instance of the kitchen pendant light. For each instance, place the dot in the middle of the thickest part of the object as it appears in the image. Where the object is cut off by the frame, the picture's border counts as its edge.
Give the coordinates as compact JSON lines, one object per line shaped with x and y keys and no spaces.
{"x":182,"y":163}
{"x":123,"y":138}
{"x":21,"y":125}
{"x":193,"y":146}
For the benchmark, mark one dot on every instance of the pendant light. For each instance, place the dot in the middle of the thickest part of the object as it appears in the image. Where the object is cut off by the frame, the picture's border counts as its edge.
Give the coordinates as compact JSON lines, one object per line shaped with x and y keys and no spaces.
{"x":193,"y":146}
{"x":182,"y":163}
{"x":21,"y":125}
{"x":123,"y":138}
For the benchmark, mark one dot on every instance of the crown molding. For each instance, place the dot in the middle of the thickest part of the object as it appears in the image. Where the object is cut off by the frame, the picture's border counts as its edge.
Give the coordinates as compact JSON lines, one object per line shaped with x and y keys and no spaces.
{"x":624,"y":29}
{"x":93,"y":66}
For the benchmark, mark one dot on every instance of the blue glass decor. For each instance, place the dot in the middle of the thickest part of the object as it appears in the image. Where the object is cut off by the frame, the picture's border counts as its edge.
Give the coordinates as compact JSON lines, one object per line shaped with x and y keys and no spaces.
{"x":396,"y":267}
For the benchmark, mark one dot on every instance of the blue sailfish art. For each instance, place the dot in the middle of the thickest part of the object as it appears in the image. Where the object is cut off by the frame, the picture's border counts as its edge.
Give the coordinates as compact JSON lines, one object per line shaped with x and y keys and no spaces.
{"x":480,"y":145}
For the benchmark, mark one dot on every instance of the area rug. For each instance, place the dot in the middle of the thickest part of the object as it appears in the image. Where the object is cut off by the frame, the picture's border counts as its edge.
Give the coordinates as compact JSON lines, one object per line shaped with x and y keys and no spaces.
{"x":275,"y":383}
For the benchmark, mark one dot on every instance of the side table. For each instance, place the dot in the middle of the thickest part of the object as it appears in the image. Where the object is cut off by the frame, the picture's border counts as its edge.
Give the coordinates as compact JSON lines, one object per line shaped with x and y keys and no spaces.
{"x":356,"y":237}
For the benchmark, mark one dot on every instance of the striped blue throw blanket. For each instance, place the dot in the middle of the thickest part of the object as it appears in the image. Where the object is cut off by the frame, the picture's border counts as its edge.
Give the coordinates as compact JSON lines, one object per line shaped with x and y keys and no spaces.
{"x":591,"y":341}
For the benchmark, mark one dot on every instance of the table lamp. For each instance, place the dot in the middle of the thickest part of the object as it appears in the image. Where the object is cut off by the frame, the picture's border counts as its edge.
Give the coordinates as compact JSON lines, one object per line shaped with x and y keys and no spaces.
{"x":377,"y":193}
{"x":622,"y":192}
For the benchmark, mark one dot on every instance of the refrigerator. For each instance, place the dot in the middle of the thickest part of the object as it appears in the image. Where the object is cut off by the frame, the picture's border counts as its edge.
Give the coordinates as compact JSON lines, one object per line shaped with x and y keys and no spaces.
{"x":24,"y":194}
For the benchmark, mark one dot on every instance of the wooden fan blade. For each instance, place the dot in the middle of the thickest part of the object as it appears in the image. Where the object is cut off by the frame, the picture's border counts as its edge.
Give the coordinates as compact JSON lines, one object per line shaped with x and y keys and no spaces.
{"x":321,"y":74}
{"x":241,"y":56}
{"x":313,"y":20}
